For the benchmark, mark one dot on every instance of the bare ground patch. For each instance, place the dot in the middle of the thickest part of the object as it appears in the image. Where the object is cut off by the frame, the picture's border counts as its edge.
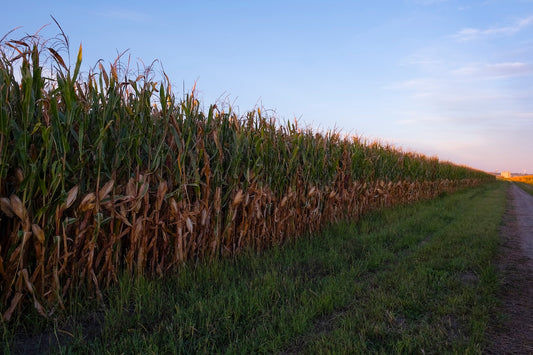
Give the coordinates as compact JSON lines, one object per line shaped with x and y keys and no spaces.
{"x":511,"y":331}
{"x":51,"y":341}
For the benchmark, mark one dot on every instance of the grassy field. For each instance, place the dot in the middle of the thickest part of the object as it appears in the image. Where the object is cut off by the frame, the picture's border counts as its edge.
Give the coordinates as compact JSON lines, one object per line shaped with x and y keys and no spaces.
{"x":410,"y":279}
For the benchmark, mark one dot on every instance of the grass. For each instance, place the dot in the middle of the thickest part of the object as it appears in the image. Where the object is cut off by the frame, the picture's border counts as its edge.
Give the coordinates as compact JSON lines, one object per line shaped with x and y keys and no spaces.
{"x":404,"y":280}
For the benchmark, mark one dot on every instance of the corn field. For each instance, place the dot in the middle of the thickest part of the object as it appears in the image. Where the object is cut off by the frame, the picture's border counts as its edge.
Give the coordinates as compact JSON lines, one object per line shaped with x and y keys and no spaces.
{"x":112,"y":173}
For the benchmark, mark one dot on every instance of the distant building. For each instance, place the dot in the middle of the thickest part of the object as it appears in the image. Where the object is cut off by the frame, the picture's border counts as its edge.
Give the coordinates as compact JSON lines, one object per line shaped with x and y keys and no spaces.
{"x":506,"y":174}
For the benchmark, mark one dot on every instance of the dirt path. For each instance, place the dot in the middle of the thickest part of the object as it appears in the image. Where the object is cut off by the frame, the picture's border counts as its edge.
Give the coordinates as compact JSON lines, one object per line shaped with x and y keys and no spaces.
{"x":513,"y":334}
{"x":522,"y":203}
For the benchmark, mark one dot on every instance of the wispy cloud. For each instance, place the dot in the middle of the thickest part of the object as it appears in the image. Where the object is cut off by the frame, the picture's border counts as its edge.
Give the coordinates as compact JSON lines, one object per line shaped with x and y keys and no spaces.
{"x":468,"y":34}
{"x":497,"y":70}
{"x":464,"y":99}
{"x":423,"y":61}
{"x":412,"y":84}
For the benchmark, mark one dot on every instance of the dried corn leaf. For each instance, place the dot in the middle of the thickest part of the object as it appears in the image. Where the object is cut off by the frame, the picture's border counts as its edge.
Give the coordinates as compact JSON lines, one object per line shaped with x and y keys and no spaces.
{"x":18,"y":207}
{"x":72,"y":195}
{"x":5,"y":206}
{"x":14,"y":303}
{"x":38,"y":233}
{"x":188,"y":221}
{"x":19,"y":175}
{"x":161,"y":192}
{"x":238,"y":198}
{"x":104,"y":191}
{"x":87,"y":203}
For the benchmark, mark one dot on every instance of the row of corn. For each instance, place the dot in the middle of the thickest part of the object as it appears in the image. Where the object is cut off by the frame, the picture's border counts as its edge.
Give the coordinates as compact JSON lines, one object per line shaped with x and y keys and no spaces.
{"x":111,"y":173}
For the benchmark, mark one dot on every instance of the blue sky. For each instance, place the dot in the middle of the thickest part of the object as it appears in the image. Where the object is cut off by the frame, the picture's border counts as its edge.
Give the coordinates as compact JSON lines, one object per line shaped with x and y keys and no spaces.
{"x":440,"y":77}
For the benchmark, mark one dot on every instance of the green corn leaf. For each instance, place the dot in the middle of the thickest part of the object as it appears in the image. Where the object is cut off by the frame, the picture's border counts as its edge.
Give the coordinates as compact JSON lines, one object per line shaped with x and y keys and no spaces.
{"x":78,"y":64}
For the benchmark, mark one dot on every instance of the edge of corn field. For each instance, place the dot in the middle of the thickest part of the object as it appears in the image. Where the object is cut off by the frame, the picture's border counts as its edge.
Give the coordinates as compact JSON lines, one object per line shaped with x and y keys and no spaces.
{"x":110,"y":177}
{"x":111,"y":173}
{"x":404,"y":280}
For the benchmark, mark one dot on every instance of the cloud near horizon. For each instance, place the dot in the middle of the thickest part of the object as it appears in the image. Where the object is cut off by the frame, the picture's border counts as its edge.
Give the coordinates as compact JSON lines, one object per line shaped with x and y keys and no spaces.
{"x":469,"y":34}
{"x":496,"y":70}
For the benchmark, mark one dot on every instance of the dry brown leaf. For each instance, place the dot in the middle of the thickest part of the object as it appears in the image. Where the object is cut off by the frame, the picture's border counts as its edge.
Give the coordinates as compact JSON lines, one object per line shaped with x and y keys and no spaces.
{"x":238,"y":198}
{"x":39,"y":307}
{"x":130,"y":187}
{"x":161,"y":192}
{"x":26,"y":277}
{"x":283,"y":201}
{"x":19,"y":175}
{"x":87,"y":203}
{"x":18,"y":207}
{"x":189,"y":224}
{"x":5,"y":206}
{"x":72,"y":195}
{"x":174,"y":207}
{"x":104,"y":191}
{"x":38,"y":233}
{"x":14,"y":303}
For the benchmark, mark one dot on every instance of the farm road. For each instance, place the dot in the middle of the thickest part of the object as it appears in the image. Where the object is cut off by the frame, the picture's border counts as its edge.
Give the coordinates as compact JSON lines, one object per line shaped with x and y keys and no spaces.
{"x":514,"y":333}
{"x":522,"y":205}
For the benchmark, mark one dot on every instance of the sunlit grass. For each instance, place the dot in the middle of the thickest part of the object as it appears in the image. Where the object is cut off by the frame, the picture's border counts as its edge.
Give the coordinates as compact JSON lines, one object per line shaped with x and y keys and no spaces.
{"x":528,"y":179}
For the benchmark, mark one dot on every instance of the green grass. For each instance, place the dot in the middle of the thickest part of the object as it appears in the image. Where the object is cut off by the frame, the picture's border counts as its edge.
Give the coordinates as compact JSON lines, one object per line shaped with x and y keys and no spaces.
{"x":412,"y":278}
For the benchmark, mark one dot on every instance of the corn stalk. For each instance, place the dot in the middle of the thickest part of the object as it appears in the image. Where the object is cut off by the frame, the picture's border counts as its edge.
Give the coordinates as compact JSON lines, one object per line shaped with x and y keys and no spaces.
{"x":112,"y":173}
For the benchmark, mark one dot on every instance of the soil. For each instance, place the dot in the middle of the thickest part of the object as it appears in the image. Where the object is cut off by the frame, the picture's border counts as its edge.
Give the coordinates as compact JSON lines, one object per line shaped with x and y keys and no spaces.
{"x":52,"y":341}
{"x":511,"y":331}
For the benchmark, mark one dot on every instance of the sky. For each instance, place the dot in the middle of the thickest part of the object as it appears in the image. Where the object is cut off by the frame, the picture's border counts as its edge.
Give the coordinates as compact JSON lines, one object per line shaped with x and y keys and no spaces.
{"x":445,"y":78}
